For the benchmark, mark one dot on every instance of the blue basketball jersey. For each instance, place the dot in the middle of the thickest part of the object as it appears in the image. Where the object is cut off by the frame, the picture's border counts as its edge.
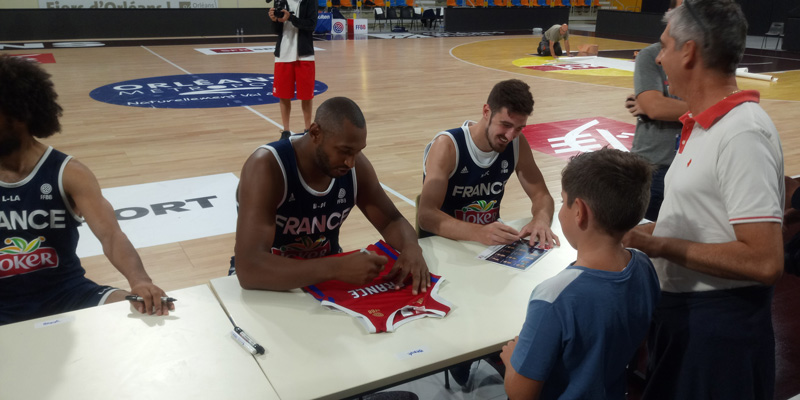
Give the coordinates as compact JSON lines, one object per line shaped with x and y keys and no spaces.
{"x":475,"y":189}
{"x":39,"y":233}
{"x":307,"y":222}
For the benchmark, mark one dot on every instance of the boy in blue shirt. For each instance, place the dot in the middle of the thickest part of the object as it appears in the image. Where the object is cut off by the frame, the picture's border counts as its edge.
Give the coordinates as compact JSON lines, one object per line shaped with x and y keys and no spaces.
{"x":584,"y":324}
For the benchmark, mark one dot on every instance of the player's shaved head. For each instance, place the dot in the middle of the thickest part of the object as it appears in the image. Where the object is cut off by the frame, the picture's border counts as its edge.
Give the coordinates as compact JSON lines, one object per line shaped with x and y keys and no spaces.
{"x":332,"y":113}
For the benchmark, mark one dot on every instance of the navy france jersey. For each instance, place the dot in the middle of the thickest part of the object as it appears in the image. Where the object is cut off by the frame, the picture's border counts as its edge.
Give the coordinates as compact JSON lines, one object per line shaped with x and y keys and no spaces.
{"x":476,"y":185}
{"x":307,"y":222}
{"x":39,"y":232}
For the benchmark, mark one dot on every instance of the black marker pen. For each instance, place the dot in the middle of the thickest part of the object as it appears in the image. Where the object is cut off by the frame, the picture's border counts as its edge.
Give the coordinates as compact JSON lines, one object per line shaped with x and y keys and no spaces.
{"x":259,"y":348}
{"x":139,"y":298}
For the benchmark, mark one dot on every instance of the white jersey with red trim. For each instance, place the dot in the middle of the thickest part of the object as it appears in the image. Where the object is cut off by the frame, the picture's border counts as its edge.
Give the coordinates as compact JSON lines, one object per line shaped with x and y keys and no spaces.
{"x":728,"y":171}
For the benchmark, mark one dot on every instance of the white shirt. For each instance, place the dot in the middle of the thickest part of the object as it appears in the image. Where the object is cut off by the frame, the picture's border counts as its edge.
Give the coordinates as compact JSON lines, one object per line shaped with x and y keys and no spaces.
{"x":728,"y":170}
{"x":289,"y":39}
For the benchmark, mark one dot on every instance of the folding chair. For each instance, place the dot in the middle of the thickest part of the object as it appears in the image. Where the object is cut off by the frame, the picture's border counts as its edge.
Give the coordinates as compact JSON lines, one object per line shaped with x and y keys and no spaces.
{"x":775,"y":30}
{"x":380,"y":17}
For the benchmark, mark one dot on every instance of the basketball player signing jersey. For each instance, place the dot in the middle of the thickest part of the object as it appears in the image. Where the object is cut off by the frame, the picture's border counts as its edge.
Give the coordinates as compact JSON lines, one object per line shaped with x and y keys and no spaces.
{"x":38,"y":234}
{"x":307,"y":222}
{"x":377,"y":305}
{"x":476,"y":185}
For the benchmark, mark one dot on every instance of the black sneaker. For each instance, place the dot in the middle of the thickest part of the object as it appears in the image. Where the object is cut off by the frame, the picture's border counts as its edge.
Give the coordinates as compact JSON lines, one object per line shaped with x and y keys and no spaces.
{"x":285,"y":135}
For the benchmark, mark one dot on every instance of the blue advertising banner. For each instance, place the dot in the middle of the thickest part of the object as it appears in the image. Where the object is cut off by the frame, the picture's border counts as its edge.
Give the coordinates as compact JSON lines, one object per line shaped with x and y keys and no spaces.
{"x":323,"y":23}
{"x":193,"y":91}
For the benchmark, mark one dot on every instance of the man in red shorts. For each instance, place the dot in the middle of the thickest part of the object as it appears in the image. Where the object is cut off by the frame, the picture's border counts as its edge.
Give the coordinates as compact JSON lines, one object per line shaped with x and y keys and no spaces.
{"x":294,"y":22}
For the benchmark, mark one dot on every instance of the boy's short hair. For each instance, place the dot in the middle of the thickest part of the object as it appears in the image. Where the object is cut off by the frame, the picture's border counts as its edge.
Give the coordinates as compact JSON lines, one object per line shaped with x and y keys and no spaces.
{"x":614,"y":184}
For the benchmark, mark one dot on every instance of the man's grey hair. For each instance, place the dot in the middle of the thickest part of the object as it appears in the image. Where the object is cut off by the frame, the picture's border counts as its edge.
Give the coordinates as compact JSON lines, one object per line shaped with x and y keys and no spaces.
{"x":718,"y":27}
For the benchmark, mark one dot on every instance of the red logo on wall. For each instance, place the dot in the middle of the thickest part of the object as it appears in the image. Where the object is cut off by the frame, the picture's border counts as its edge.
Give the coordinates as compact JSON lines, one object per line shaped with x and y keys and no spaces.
{"x":565,"y":139}
{"x":46,"y":58}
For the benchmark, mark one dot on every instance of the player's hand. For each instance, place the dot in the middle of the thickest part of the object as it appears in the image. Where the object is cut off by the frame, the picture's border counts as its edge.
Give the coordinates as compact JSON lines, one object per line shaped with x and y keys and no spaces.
{"x":539,"y":232}
{"x":508,"y":350}
{"x":151,"y":299}
{"x":360,"y":268}
{"x":272,"y":15}
{"x":496,"y":233}
{"x":641,"y":238}
{"x":633,"y":106}
{"x":285,"y":16}
{"x":411,"y":263}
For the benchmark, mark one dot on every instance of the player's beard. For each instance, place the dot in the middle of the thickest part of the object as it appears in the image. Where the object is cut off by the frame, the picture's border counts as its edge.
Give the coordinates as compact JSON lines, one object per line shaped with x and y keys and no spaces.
{"x":495,"y":145}
{"x":324,"y":163}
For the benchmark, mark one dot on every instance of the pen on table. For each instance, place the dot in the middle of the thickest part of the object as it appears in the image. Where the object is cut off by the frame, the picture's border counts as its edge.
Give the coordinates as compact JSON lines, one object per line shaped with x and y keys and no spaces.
{"x":139,"y":298}
{"x":252,"y":343}
{"x":243,"y":342}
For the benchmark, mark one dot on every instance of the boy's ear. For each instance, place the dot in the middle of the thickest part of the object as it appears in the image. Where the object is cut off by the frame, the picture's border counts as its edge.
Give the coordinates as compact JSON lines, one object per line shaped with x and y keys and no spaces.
{"x":582,"y":213}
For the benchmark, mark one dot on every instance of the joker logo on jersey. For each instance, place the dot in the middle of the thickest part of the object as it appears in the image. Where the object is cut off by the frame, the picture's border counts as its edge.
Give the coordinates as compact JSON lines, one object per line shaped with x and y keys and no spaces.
{"x":305,"y":248}
{"x":480,"y":212}
{"x":21,"y":257}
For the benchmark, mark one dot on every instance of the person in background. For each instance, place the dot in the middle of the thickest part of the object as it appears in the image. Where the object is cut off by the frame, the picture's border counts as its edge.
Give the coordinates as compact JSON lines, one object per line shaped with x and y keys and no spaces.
{"x":657,"y":125}
{"x":550,"y":44}
{"x":294,"y":22}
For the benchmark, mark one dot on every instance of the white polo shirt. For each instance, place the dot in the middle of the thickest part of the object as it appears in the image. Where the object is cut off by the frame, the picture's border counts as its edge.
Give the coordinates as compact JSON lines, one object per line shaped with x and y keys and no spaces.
{"x":728,"y":170}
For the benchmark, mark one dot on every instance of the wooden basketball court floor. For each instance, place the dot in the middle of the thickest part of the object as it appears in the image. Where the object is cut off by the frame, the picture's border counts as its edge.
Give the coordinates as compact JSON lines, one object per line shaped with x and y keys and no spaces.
{"x":408,"y":89}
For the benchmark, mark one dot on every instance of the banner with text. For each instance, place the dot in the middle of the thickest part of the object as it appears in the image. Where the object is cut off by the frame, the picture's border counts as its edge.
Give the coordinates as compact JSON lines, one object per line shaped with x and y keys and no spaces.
{"x":171,"y":211}
{"x":128,"y":4}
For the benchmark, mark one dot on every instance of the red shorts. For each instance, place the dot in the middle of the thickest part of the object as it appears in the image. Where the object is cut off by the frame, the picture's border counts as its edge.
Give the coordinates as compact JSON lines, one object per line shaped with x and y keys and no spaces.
{"x":287,"y":73}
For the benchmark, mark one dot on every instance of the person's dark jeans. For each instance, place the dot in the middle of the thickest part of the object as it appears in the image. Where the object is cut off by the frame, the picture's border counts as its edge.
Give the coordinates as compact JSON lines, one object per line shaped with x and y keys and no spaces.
{"x":544,"y":47}
{"x":656,"y":192}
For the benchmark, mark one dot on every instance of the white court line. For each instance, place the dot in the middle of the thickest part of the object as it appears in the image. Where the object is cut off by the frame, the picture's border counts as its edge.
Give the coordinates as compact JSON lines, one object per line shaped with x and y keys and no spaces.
{"x":189,"y":73}
{"x":387,"y":188}
{"x":168,"y":61}
{"x":554,"y":79}
{"x":404,"y":198}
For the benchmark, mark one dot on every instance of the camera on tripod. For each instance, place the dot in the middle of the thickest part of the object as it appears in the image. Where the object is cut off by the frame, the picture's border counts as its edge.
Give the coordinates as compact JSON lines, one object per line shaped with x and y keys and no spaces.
{"x":280,"y":7}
